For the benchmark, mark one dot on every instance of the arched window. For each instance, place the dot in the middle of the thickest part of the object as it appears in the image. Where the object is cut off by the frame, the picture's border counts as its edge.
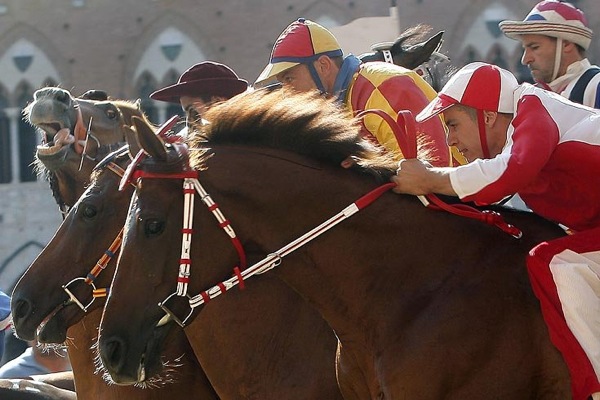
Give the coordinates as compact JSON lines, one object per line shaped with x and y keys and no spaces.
{"x":172,"y":108}
{"x":147,"y":85}
{"x":5,"y":146}
{"x":498,"y":58}
{"x":27,"y":138}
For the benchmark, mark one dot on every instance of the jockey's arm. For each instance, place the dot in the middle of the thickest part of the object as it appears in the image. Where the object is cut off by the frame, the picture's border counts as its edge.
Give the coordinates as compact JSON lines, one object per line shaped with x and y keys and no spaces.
{"x":419,"y":178}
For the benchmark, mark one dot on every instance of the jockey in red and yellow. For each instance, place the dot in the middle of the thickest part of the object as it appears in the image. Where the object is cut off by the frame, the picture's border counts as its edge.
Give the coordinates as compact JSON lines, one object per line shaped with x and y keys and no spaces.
{"x":306,"y":56}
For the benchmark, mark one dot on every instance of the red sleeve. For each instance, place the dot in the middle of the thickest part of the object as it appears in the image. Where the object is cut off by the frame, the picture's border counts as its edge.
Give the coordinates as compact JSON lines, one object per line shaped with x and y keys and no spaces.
{"x":534,"y":139}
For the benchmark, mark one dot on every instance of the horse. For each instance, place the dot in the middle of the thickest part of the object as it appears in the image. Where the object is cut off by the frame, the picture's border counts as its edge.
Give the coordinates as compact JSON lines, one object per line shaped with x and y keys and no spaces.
{"x":95,"y":220}
{"x":57,"y":113}
{"x":410,"y":50}
{"x":425,"y":304}
{"x":77,"y":132}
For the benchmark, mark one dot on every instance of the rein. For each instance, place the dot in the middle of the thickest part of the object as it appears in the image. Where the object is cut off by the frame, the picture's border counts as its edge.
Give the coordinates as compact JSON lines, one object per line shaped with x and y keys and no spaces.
{"x":408,"y":144}
{"x":405,"y":132}
{"x":116,"y":244}
{"x":100,"y":265}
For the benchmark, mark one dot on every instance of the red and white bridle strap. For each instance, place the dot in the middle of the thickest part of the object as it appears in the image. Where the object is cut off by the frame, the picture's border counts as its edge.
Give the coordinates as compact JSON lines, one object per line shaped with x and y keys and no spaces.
{"x":274,"y":259}
{"x":191,"y":185}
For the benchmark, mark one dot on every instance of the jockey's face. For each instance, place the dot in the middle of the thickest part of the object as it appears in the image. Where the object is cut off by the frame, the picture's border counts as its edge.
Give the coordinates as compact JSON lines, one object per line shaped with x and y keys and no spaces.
{"x":193,"y":107}
{"x":463,"y":132}
{"x":297,"y":78}
{"x":539,"y":52}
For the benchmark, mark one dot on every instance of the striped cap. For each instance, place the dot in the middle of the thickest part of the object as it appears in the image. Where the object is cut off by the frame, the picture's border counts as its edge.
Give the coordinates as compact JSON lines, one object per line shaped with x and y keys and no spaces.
{"x":478,"y":85}
{"x":552,"y":18}
{"x":303,"y":41}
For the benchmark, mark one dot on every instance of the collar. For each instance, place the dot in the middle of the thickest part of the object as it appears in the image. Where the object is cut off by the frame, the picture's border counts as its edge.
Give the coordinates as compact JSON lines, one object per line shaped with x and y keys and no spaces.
{"x":573,"y":71}
{"x":342,"y":80}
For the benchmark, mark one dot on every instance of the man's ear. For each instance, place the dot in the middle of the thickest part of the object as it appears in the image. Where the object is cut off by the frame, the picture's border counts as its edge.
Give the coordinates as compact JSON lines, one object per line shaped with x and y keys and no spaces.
{"x":490,"y":117}
{"x":324,"y":64}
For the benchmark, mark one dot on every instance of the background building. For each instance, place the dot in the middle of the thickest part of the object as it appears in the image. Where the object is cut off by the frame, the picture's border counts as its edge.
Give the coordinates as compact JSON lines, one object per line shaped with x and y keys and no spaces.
{"x":132,"y":47}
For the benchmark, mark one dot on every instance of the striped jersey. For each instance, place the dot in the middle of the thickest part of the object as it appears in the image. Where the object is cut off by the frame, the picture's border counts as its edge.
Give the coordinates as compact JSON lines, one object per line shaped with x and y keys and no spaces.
{"x":551,"y":159}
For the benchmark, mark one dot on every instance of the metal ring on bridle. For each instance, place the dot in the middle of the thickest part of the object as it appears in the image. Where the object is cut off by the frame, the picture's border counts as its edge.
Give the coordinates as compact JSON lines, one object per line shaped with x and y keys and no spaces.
{"x":169,"y":315}
{"x":74,"y":299}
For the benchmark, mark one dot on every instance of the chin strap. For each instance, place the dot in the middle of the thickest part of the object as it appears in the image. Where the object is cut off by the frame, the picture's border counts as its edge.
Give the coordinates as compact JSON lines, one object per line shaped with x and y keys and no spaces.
{"x":557,"y":58}
{"x":482,"y":135}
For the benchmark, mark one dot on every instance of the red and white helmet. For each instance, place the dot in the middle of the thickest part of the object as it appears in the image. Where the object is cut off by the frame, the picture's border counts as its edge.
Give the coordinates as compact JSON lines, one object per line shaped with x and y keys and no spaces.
{"x":555,"y":19}
{"x":478,"y":85}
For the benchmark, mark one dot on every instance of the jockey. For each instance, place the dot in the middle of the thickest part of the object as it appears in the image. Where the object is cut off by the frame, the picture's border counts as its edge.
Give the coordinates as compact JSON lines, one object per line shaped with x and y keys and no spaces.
{"x":199,"y":87}
{"x":306,"y":56}
{"x":523,"y":139}
{"x":555,"y":37}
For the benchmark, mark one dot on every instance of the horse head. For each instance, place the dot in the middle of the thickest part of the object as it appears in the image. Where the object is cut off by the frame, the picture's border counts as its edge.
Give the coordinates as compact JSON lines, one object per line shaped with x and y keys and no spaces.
{"x":76,"y":134}
{"x":408,"y":52}
{"x":58,"y":288}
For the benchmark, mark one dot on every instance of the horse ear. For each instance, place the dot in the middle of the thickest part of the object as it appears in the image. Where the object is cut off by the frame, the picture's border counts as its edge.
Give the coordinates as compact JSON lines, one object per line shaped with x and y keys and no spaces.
{"x":131,"y":139}
{"x":150,"y":142}
{"x":417,"y":54}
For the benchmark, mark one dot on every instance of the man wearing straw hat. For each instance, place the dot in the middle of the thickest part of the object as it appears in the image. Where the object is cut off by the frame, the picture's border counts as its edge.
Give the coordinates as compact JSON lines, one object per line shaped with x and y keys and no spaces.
{"x":555,"y":36}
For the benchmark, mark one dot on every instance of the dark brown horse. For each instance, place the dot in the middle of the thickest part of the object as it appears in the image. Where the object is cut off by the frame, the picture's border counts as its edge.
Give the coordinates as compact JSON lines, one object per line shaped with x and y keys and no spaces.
{"x":413,"y":51}
{"x":237,"y":368}
{"x":425,"y":304}
{"x":57,"y":111}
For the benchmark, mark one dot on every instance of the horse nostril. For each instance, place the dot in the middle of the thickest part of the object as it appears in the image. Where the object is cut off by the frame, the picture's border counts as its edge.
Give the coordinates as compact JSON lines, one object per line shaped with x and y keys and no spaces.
{"x":112,"y":352}
{"x":62,"y":96}
{"x":21,"y":310}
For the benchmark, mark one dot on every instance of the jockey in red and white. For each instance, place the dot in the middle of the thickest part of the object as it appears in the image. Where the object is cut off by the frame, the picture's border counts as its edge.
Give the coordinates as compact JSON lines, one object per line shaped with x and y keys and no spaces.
{"x":555,"y":36}
{"x":526,"y":140}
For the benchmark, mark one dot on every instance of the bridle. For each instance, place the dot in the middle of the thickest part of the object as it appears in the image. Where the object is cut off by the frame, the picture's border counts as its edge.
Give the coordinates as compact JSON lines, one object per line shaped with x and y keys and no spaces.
{"x":116,"y":244}
{"x":102,"y":262}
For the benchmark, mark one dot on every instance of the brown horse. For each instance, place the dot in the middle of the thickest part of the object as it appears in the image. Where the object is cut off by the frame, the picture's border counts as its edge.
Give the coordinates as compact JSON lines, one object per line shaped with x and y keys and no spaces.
{"x":425,"y":304}
{"x":292,"y":371}
{"x":55,"y":110}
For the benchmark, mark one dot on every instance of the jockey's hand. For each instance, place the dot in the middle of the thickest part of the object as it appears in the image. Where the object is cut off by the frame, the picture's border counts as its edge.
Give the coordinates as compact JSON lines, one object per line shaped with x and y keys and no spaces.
{"x":419,"y":178}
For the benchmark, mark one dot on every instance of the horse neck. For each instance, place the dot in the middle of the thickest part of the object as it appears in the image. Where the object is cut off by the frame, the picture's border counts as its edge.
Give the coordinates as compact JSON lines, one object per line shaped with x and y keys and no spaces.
{"x":279,"y":199}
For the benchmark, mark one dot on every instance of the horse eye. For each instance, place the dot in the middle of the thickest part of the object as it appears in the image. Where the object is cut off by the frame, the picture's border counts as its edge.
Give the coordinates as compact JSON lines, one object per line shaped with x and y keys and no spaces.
{"x":89,"y":212}
{"x":153,"y":227}
{"x":112,"y":114}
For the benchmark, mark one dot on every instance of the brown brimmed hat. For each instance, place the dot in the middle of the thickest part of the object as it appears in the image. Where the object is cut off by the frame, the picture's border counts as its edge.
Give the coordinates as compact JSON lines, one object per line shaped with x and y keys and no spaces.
{"x":207,"y":78}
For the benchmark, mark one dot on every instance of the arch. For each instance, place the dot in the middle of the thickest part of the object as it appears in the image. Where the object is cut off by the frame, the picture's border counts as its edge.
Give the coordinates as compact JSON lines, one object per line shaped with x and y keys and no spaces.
{"x":159,"y":42}
{"x":145,"y":85}
{"x":26,"y":134}
{"x":497,"y":56}
{"x":326,"y":13}
{"x":5,"y":145}
{"x":23,"y":255}
{"x":22,"y":57}
{"x":469,"y":55}
{"x":477,"y":29}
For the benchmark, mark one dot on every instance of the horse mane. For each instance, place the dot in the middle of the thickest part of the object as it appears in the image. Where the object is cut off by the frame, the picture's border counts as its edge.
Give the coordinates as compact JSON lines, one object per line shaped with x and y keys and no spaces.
{"x":303,"y":123}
